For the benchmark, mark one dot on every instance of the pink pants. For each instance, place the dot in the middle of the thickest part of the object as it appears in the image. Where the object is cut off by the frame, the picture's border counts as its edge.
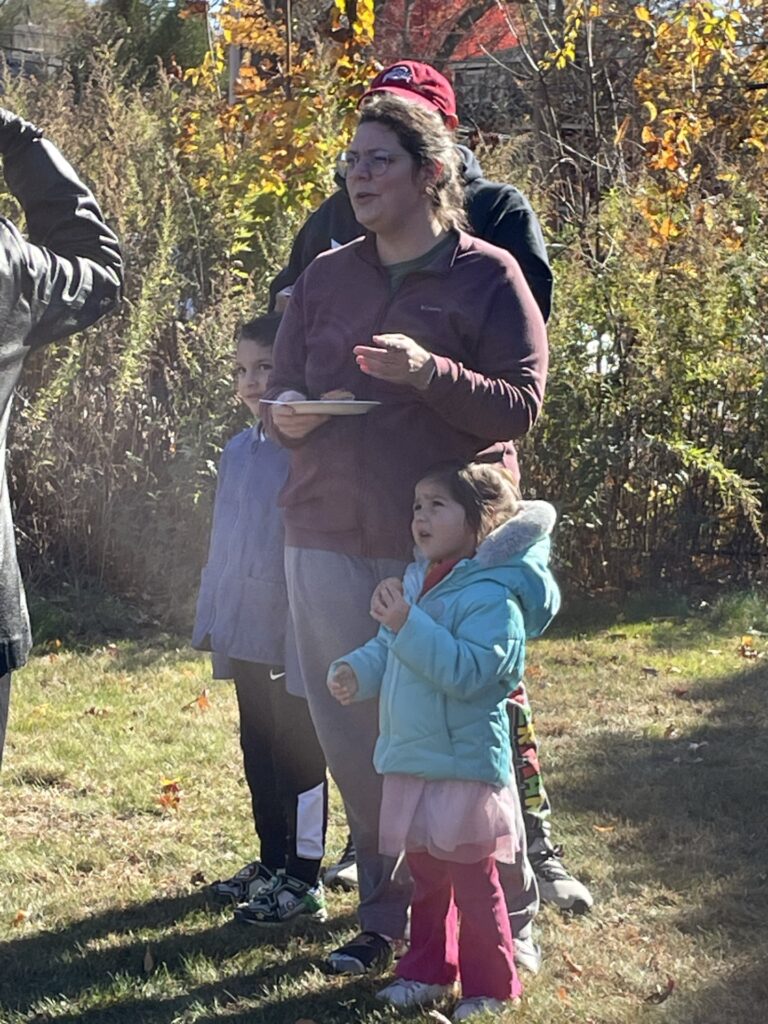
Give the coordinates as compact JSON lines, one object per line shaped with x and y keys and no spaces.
{"x":480,"y":951}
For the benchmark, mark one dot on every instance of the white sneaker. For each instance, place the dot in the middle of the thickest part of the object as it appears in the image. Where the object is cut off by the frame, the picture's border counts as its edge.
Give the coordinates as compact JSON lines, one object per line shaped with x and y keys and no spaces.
{"x":479,"y":1004}
{"x":402,"y":992}
{"x":527,"y":955}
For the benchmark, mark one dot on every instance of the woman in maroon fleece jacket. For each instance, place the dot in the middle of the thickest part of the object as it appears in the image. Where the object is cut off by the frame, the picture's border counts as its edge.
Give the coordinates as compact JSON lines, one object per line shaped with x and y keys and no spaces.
{"x":443,"y":331}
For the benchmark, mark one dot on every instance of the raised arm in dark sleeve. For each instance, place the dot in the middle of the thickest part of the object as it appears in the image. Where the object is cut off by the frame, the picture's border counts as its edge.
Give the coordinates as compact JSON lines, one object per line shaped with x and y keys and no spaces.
{"x":67,"y":272}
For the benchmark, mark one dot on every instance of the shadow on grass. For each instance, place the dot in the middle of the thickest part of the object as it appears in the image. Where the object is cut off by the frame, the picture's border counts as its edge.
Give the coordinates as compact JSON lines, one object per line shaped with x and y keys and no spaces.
{"x":72,"y":964}
{"x":696,"y":822}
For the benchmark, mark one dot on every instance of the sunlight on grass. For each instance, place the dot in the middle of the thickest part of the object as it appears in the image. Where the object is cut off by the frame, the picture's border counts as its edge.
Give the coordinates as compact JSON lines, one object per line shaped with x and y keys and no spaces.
{"x":654,"y":751}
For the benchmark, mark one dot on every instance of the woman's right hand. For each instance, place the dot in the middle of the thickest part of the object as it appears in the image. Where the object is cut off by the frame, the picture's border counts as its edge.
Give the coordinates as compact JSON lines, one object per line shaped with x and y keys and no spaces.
{"x":293,"y":425}
{"x":296,"y":426}
{"x":342,"y":682}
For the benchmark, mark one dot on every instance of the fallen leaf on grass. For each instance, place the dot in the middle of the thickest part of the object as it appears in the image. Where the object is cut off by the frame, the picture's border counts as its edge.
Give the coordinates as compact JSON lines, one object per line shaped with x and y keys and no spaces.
{"x":170,"y":798}
{"x":604,"y":828}
{"x":19,"y":918}
{"x":572,"y":966}
{"x":200,"y":703}
{"x":648,"y":670}
{"x":670,"y":732}
{"x":562,"y":994}
{"x":674,"y":670}
{"x":198,"y":878}
{"x":680,"y":692}
{"x":660,"y":994}
{"x":148,"y":963}
{"x":97,"y":712}
{"x":714,"y":650}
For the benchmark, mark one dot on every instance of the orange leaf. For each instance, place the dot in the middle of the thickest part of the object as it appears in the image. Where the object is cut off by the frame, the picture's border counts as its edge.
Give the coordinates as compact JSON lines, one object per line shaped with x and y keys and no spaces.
{"x":19,"y":918}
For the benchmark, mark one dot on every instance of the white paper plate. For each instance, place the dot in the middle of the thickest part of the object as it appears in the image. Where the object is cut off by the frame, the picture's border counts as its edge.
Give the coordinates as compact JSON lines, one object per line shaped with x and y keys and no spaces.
{"x":327,"y":407}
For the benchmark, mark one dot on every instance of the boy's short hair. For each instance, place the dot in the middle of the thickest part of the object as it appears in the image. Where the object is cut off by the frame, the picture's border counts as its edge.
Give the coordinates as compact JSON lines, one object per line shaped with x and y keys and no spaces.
{"x":262,"y":329}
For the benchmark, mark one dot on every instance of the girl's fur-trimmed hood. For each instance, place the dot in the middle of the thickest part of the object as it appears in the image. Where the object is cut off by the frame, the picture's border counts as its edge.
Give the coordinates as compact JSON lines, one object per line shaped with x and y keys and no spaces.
{"x":515,"y":555}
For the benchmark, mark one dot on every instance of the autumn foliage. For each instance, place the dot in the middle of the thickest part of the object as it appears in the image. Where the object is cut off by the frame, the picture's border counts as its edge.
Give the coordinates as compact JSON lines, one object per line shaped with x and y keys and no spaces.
{"x":644,"y":154}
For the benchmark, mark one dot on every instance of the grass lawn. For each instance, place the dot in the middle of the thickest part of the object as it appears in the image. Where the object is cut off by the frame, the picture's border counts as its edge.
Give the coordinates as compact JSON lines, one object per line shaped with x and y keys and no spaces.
{"x":655,"y":751}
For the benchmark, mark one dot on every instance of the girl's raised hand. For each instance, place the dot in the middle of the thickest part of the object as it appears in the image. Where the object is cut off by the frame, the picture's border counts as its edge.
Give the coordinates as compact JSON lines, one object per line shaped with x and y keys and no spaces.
{"x":377,"y":605}
{"x":342,"y":682}
{"x":388,"y":605}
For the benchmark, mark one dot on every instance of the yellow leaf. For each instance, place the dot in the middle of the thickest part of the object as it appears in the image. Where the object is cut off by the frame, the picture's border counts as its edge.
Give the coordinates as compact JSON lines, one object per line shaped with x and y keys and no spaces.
{"x":643,"y":14}
{"x":667,"y":229}
{"x":652,"y":111}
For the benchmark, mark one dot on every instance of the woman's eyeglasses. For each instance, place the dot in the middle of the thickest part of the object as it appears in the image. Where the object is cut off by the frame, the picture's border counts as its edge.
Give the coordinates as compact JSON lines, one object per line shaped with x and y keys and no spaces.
{"x":377,"y":163}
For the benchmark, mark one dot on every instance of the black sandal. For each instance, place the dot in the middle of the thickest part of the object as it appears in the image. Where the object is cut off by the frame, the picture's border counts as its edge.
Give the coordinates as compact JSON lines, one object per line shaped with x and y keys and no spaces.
{"x":366,"y":952}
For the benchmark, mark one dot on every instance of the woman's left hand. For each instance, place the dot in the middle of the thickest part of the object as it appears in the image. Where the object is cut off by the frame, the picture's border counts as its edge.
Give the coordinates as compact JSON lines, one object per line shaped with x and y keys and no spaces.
{"x":397,"y":359}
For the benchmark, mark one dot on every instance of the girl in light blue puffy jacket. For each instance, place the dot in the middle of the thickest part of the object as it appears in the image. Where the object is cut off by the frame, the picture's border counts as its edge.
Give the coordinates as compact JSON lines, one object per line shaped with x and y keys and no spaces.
{"x":450,"y":648}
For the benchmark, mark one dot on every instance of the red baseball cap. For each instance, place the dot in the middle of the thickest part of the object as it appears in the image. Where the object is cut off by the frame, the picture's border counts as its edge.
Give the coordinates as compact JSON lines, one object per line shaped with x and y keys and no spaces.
{"x":419,"y":82}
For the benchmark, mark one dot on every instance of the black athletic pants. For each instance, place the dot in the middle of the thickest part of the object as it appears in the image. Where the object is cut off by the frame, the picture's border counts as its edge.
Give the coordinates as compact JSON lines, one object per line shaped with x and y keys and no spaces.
{"x":285,"y":771}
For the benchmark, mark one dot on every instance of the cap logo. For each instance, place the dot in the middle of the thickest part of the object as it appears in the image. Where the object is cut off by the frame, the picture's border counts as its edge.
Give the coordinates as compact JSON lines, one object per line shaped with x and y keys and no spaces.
{"x":399,"y":73}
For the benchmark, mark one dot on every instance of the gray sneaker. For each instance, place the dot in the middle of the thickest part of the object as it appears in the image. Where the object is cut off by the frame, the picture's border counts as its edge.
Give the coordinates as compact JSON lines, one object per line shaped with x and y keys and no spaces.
{"x":343,"y":874}
{"x":556,"y":884}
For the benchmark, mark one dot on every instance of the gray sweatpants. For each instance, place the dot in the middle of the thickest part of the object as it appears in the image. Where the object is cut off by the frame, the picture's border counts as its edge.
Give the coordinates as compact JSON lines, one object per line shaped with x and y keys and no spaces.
{"x":330,"y":595}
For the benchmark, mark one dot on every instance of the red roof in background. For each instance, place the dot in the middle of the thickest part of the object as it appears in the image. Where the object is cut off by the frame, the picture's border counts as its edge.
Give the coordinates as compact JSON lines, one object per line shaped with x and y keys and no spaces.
{"x":424,"y":30}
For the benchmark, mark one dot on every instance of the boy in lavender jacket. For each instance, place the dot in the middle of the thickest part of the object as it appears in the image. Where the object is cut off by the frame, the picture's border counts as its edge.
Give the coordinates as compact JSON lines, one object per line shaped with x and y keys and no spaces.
{"x":242,"y":617}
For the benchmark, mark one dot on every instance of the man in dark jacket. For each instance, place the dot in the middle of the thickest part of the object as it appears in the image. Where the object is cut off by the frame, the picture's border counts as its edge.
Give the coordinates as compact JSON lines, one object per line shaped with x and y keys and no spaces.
{"x":62,"y":279}
{"x":499,"y":214}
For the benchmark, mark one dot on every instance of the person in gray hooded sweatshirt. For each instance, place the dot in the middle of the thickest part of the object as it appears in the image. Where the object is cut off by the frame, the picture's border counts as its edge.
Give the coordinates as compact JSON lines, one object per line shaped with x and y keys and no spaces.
{"x":66,"y":274}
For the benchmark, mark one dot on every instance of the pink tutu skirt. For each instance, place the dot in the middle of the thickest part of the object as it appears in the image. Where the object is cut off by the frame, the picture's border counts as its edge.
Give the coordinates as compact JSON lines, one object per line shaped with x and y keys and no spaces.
{"x":452,"y":819}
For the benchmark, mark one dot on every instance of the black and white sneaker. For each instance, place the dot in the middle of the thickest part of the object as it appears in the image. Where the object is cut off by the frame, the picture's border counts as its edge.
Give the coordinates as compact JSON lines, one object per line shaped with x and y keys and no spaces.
{"x":249,"y":882}
{"x":343,"y":874}
{"x":366,"y":953}
{"x":286,"y":898}
{"x":556,"y":884}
